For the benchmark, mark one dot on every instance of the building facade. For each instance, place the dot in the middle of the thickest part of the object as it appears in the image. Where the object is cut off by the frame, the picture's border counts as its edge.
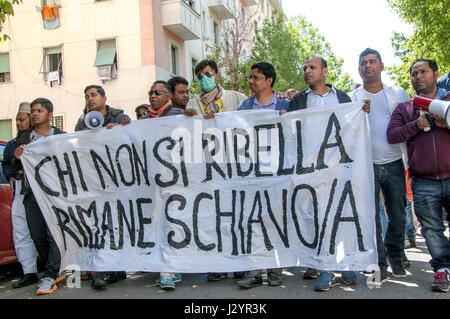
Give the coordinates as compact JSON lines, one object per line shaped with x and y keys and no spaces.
{"x":58,"y":47}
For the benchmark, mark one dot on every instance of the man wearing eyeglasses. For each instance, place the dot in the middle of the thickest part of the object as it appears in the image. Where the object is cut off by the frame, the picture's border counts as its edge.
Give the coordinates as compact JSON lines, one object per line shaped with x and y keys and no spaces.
{"x":213,"y":98}
{"x":262,"y":80}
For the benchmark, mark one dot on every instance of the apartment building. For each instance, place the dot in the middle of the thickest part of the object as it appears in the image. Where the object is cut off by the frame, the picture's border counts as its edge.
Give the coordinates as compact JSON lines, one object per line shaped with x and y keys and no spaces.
{"x":58,"y":47}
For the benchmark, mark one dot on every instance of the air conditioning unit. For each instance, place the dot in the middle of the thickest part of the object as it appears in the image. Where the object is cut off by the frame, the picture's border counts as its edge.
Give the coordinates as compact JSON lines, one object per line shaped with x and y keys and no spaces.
{"x":107,"y":72}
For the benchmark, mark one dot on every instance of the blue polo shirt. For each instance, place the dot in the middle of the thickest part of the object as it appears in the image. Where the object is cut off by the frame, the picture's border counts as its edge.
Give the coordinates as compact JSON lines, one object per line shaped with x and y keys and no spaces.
{"x":271,"y":105}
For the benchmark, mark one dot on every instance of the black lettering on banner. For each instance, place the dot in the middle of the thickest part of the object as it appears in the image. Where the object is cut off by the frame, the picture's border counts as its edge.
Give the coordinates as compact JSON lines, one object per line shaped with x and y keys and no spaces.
{"x":131,"y":226}
{"x":61,"y":174}
{"x":267,"y":148}
{"x":209,"y":156}
{"x":283,"y":233}
{"x":333,"y":121}
{"x":348,"y":191}
{"x":174,"y":170}
{"x":197,"y":240}
{"x":327,"y":213}
{"x":282,"y":146}
{"x":241,"y":220}
{"x":108,"y":226}
{"x":63,"y":228}
{"x":91,"y":211}
{"x":80,"y":172}
{"x":130,"y":164}
{"x":37,"y":177}
{"x":240,"y":151}
{"x":300,"y":170}
{"x":78,"y":226}
{"x":143,"y":221}
{"x":227,"y":153}
{"x":110,"y":170}
{"x":251,"y":221}
{"x":187,"y":232}
{"x":316,"y":217}
{"x":231,"y":214}
{"x":184,"y":175}
{"x":138,"y":163}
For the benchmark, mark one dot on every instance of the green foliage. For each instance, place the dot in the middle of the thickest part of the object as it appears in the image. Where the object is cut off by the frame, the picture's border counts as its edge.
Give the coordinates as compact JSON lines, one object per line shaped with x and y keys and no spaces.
{"x":6,"y":9}
{"x":430,"y":40}
{"x":286,"y":46}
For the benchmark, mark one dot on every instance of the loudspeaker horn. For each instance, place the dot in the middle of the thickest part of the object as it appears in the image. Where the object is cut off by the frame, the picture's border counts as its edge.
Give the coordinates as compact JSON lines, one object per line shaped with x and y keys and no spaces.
{"x":94,"y":120}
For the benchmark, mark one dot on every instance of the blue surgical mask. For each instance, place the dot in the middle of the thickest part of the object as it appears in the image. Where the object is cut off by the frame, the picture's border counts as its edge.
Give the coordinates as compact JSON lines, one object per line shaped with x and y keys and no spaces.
{"x":207,"y":83}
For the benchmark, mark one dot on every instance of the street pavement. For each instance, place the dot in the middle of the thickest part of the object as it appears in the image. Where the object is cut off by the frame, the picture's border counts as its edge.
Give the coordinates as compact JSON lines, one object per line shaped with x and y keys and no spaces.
{"x":194,"y":286}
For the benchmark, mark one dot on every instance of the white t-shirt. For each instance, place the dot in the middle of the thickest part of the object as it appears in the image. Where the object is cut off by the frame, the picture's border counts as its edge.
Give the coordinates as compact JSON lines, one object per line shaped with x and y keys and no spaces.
{"x":379,"y":118}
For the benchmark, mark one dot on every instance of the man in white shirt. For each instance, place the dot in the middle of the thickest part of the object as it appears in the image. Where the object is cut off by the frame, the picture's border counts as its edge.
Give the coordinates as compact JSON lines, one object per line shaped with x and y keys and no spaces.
{"x":387,"y":161}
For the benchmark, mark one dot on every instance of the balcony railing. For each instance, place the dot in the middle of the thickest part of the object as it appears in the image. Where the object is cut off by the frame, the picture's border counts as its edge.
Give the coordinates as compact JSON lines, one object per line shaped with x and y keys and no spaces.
{"x":179,"y":18}
{"x":222,"y":8}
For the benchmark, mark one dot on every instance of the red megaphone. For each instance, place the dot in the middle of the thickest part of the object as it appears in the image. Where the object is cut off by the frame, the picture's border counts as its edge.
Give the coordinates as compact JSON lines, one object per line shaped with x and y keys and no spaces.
{"x":437,"y":107}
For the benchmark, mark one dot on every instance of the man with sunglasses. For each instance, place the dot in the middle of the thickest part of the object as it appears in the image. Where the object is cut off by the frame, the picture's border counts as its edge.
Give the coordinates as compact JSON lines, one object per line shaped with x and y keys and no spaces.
{"x":261,"y":80}
{"x":213,"y":98}
{"x":167,"y":99}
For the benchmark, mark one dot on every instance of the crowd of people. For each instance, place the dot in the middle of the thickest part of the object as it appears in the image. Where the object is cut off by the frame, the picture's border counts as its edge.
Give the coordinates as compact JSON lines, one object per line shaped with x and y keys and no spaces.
{"x":400,"y":140}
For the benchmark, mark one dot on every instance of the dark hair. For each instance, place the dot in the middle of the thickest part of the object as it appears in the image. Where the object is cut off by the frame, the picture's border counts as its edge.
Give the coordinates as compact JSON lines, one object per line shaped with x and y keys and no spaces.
{"x":324,"y":62}
{"x":432,"y":63}
{"x":174,"y":81}
{"x":204,"y":63}
{"x":163,"y":83}
{"x":142,"y":106}
{"x":44,"y":102}
{"x":99,"y":89}
{"x":267,"y":70}
{"x":370,"y":51}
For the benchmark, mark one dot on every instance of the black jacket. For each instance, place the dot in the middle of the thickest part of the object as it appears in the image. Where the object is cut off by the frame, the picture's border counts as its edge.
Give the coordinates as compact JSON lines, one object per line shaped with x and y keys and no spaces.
{"x":24,"y":138}
{"x":299,"y":101}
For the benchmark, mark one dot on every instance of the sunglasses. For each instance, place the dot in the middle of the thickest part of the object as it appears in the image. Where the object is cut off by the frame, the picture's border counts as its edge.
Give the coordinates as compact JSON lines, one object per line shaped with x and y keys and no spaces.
{"x":157,"y":92}
{"x":207,"y":73}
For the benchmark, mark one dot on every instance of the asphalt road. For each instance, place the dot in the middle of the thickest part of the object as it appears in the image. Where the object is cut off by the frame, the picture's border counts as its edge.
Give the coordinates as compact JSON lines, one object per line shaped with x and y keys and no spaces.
{"x":194,"y":286}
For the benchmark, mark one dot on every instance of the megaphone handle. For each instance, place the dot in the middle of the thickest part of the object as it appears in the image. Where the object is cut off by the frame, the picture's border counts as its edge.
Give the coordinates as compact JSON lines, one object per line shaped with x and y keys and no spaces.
{"x":430,"y":120}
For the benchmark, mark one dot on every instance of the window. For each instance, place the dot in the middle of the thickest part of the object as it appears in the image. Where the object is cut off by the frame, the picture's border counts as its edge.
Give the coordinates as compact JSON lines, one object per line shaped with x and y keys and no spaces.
{"x":6,"y":129}
{"x":52,"y":65}
{"x":174,"y":59}
{"x":205,"y":24}
{"x":58,"y":121}
{"x":50,"y":3}
{"x":5,"y":75}
{"x":194,"y":64}
{"x":106,"y":60}
{"x":216,"y":33}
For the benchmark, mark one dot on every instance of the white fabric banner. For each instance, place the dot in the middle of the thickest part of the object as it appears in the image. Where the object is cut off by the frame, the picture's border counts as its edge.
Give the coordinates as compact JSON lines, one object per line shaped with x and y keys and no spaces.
{"x":245,"y":190}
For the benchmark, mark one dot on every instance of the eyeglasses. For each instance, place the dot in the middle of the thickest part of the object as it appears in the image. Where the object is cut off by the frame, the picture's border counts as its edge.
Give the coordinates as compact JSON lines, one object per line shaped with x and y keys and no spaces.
{"x":255,"y":78}
{"x":157,"y":92}
{"x":207,"y":73}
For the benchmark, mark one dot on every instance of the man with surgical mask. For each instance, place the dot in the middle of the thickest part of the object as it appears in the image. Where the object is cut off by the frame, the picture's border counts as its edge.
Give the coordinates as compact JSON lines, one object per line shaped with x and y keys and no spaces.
{"x":213,"y":98}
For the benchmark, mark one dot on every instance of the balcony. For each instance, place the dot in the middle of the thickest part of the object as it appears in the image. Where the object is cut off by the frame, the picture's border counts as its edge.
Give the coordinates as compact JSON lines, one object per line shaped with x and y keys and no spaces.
{"x":250,"y":3}
{"x":222,"y":8}
{"x":180,"y":19}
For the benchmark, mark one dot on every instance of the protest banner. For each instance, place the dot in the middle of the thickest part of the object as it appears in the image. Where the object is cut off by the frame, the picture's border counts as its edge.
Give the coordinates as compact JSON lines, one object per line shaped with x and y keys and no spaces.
{"x":245,"y":190}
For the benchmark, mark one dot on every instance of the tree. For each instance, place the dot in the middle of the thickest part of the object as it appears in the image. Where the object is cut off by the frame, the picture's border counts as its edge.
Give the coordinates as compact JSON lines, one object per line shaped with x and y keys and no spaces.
{"x":6,"y":9}
{"x":286,"y":46}
{"x":430,"y":39}
{"x":236,"y":35}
